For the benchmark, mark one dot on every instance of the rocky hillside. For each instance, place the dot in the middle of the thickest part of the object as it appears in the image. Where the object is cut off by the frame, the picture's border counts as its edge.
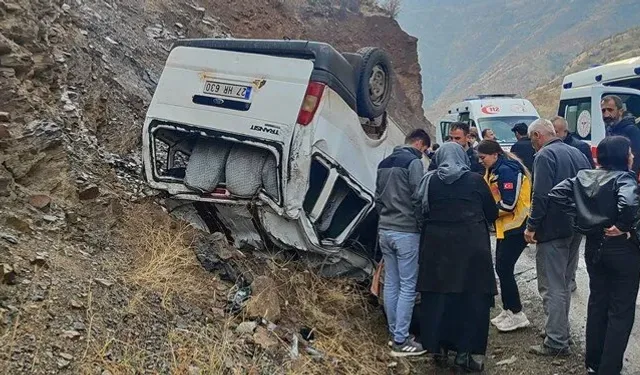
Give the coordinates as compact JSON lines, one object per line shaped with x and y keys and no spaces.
{"x":617,"y":47}
{"x":488,"y":46}
{"x":96,"y":278}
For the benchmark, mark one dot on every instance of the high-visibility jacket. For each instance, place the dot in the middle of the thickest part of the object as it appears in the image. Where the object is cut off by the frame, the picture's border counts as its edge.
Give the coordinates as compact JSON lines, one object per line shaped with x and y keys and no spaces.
{"x":511,"y":189}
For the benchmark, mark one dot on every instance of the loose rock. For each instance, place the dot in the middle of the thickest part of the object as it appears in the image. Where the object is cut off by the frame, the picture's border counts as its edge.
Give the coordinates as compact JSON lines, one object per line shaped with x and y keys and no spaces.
{"x":246,"y":327}
{"x":509,"y":361}
{"x":104,"y":282}
{"x":66,"y":356}
{"x":265,"y":339}
{"x":18,"y":224}
{"x":40,"y":201}
{"x":8,"y":274}
{"x":63,"y":363}
{"x":73,"y":335}
{"x":5,"y":117}
{"x":4,"y":132}
{"x":89,"y":192}
{"x":265,"y":301}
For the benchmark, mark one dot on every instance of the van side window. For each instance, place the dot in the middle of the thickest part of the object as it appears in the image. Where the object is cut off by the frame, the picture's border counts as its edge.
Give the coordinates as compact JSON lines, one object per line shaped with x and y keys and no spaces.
{"x":577,"y":112}
{"x":631,"y":102}
{"x":444,"y":128}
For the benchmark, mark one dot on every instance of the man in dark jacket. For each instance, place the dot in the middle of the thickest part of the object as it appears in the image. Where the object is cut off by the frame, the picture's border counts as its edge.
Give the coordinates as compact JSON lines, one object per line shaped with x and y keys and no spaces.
{"x":552,"y":230}
{"x":459,"y":133}
{"x":617,"y":124}
{"x":562,"y":131}
{"x":522,"y":148}
{"x":399,"y":175}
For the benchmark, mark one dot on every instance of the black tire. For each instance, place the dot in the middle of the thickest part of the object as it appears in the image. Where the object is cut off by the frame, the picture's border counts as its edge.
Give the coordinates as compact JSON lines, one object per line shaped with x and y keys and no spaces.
{"x":374,"y":82}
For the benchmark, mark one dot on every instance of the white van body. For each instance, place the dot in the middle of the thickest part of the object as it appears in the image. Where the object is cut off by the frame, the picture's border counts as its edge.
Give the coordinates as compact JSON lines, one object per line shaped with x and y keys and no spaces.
{"x":320,"y":176}
{"x":583,"y":91}
{"x":497,"y":112}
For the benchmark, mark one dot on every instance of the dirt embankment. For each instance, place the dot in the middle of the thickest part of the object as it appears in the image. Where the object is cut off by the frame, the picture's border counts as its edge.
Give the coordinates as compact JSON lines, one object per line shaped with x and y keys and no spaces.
{"x":95,"y":277}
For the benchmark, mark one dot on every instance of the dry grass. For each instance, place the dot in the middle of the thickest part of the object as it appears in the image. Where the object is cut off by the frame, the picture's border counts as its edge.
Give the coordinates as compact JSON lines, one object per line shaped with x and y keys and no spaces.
{"x":349,"y":331}
{"x":164,"y":261}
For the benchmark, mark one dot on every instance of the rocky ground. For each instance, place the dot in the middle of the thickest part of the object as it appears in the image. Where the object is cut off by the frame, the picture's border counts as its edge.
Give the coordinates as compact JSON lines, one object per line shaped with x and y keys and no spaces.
{"x":97,"y":277}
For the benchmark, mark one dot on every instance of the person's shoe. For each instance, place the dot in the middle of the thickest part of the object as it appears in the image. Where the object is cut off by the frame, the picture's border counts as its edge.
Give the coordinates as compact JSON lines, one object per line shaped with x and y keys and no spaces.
{"x":591,"y":371}
{"x":500,"y":317}
{"x":545,"y":351}
{"x":513,"y":322}
{"x":408,"y":348}
{"x":466,"y":362}
{"x":574,"y":286}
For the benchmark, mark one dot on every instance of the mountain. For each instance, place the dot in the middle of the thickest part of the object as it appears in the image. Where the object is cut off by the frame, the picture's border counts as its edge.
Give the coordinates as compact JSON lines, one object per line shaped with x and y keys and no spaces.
{"x":617,"y":47}
{"x":484,"y":46}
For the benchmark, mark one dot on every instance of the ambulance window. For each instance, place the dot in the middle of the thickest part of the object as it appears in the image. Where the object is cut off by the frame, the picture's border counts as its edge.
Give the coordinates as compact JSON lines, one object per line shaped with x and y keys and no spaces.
{"x":577,"y":112}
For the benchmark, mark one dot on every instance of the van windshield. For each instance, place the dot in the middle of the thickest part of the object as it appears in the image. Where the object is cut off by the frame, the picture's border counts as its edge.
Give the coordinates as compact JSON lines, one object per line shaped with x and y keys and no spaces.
{"x":502,"y":126}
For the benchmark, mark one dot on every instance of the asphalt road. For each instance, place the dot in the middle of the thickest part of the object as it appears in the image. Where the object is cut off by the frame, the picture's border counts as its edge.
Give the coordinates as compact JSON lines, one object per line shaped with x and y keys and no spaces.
{"x":525,"y":269}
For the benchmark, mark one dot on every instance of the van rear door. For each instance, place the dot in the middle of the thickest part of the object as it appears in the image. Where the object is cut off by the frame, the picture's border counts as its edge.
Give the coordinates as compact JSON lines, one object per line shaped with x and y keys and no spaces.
{"x":251,"y":94}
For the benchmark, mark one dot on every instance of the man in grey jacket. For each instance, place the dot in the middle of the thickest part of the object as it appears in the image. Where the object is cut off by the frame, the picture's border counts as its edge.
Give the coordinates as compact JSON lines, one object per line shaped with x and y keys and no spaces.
{"x":399,"y":175}
{"x":552,"y":231}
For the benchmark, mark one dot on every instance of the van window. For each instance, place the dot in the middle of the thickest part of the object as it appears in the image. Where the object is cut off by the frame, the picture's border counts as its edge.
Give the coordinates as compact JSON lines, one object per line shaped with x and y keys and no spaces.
{"x":577,"y":112}
{"x":444,"y":128}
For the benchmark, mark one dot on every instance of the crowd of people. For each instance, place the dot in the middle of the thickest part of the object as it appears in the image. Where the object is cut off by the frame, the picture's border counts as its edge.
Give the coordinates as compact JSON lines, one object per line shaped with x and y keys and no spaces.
{"x":435,"y":236}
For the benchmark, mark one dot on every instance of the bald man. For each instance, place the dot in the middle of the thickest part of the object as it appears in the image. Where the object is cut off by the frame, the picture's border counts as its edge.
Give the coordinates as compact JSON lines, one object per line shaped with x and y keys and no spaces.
{"x":562,"y":131}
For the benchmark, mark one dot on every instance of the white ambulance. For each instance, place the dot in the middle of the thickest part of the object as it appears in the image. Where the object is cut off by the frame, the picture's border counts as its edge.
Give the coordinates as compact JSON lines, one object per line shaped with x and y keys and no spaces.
{"x":583,"y":91}
{"x":275,"y":143}
{"x":498,"y":112}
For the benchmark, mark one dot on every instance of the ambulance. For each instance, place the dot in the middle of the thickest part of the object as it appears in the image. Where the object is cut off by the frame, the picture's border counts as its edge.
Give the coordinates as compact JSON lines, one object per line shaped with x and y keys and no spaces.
{"x":498,"y":112}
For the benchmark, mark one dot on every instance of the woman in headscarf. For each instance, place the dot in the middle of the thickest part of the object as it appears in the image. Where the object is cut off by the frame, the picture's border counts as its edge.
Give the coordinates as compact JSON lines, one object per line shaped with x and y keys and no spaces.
{"x":455,"y":278}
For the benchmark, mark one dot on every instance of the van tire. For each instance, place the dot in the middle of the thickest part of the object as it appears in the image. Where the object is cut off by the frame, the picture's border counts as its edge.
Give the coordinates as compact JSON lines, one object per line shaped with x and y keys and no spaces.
{"x":374,"y":82}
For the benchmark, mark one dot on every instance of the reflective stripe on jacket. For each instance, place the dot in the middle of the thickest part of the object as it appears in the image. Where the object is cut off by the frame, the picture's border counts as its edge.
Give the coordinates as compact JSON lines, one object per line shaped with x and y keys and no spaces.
{"x":511,"y":189}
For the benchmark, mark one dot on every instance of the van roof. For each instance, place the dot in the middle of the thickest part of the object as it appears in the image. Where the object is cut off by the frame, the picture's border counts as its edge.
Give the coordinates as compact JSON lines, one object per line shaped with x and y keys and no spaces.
{"x":495,"y":106}
{"x":615,"y":71}
{"x":330,"y":66}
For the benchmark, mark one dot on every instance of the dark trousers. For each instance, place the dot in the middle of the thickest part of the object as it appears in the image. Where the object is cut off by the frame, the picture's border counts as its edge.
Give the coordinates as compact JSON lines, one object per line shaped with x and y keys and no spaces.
{"x":508,"y":251}
{"x":614,"y":276}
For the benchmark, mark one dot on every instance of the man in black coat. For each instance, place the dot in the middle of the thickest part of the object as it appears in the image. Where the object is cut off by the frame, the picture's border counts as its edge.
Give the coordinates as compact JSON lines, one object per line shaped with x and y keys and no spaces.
{"x":562,"y":131}
{"x":523,"y":148}
{"x":617,"y":124}
{"x":459,"y":132}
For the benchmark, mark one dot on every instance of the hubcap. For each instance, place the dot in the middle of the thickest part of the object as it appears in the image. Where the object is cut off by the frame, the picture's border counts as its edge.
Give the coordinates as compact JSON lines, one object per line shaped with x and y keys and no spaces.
{"x":377,"y":84}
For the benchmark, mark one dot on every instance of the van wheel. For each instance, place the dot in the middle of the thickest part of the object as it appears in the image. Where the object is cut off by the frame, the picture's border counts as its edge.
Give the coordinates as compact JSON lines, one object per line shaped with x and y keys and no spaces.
{"x":374,"y":83}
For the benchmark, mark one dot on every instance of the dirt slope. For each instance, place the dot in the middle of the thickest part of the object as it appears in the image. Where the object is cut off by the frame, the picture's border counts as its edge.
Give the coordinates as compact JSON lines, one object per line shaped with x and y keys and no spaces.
{"x":95,"y":277}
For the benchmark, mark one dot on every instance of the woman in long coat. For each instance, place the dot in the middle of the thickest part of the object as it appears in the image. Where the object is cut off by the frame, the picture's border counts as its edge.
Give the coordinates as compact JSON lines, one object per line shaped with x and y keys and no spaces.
{"x":455,"y":278}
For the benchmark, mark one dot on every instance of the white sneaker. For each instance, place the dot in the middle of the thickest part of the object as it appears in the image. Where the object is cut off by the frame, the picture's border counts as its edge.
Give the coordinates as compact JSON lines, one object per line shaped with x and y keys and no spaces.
{"x":513,"y":322}
{"x":503,"y":315}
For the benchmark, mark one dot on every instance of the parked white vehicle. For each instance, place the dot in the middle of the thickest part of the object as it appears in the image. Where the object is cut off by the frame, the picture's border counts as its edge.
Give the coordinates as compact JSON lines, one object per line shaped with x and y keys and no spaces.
{"x":583,"y":91}
{"x":267,"y":138}
{"x":498,"y":112}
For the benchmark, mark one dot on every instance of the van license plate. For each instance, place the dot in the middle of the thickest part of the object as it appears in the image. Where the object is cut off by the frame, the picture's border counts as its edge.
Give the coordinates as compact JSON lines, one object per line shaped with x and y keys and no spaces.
{"x":227,"y":90}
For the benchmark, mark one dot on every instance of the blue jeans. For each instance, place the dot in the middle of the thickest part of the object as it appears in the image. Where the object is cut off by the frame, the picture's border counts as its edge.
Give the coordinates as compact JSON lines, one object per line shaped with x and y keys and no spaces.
{"x":400,"y":254}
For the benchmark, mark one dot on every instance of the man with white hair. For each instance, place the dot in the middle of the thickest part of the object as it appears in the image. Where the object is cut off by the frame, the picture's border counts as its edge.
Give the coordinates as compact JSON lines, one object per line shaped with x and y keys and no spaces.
{"x":552,"y":231}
